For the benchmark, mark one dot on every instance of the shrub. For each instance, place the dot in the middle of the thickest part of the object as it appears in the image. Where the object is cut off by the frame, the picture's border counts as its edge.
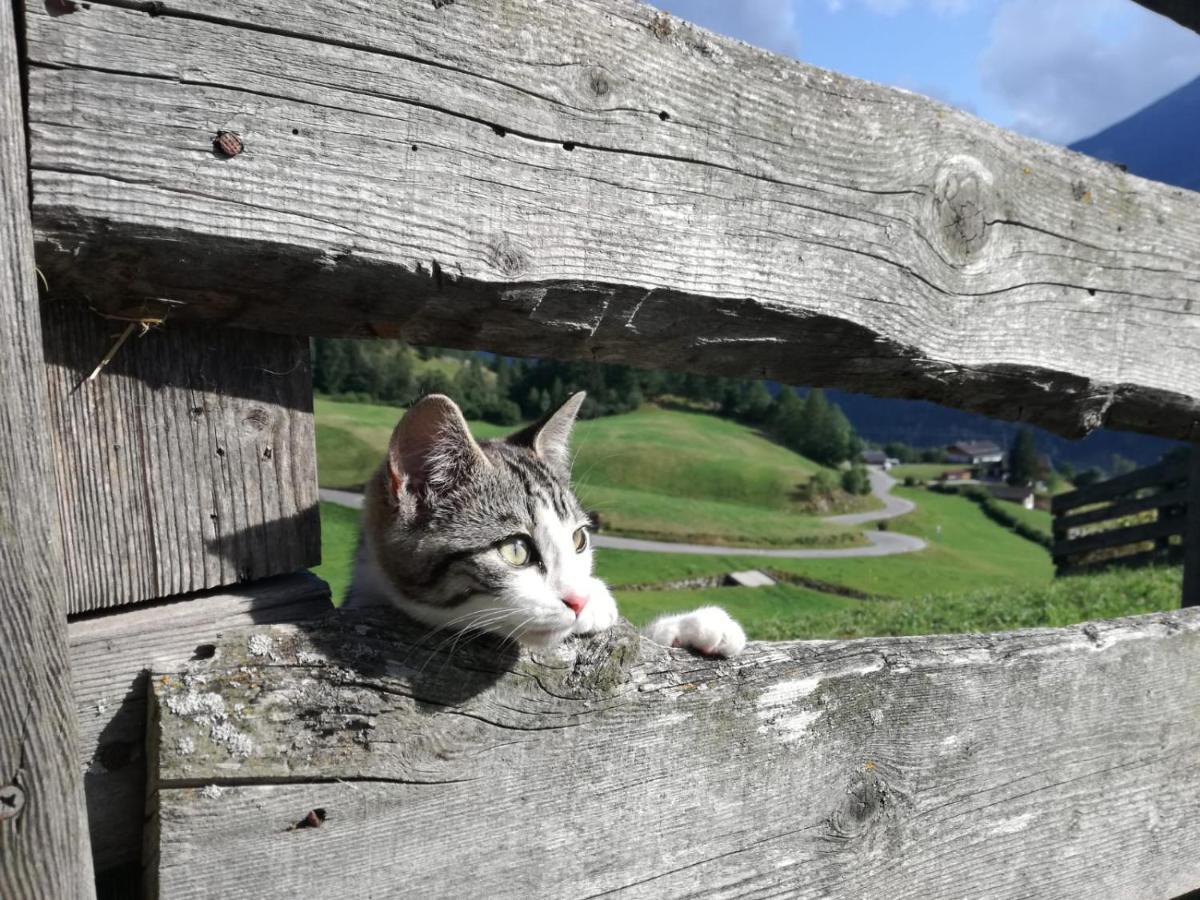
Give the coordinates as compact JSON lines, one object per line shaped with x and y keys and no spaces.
{"x":856,"y":481}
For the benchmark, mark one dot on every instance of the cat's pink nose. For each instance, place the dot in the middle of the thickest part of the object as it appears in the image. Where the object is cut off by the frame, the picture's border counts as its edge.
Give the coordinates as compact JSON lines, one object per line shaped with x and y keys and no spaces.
{"x":576,"y":602}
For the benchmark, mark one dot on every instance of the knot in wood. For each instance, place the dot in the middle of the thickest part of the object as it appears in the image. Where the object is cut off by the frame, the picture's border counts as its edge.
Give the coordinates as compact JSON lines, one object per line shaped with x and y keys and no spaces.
{"x":256,"y":420}
{"x":598,"y":83}
{"x":866,"y":802}
{"x":12,"y":801}
{"x":962,"y":197}
{"x":504,"y":256}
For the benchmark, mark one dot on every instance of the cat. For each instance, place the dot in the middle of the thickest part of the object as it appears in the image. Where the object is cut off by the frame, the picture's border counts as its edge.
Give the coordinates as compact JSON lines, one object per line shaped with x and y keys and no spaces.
{"x":489,"y":537}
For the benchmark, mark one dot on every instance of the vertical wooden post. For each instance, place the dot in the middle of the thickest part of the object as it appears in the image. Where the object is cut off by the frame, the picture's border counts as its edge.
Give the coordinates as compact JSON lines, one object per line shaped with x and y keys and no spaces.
{"x":1191,"y":534}
{"x":43,"y":839}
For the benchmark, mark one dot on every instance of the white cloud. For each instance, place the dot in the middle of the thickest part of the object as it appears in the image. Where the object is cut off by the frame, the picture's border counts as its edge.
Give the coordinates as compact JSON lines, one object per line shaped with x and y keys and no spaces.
{"x":1068,"y":68}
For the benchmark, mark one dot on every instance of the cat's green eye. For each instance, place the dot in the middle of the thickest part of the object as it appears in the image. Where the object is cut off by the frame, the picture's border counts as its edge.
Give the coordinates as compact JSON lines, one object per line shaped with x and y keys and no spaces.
{"x":516,"y":551}
{"x":581,"y":538}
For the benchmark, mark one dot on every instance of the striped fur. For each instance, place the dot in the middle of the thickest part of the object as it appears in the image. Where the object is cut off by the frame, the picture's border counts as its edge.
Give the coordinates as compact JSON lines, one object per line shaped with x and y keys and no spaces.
{"x":439,"y":507}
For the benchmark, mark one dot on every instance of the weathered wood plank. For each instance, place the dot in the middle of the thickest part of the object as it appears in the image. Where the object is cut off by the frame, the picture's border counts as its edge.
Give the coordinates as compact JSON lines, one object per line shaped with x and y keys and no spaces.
{"x":110,"y":655}
{"x":601,"y":181}
{"x":43,"y":838}
{"x":1191,"y":537}
{"x":1185,"y":12}
{"x":1160,"y":474}
{"x":187,"y":464}
{"x":1053,"y":762}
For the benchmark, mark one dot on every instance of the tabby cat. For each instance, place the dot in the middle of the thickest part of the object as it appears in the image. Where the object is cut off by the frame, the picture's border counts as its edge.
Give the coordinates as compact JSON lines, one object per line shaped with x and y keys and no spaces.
{"x":489,"y":537}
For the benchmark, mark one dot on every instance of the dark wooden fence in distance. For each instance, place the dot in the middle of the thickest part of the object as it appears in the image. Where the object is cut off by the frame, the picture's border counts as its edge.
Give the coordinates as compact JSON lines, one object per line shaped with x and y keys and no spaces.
{"x":1131,"y":520}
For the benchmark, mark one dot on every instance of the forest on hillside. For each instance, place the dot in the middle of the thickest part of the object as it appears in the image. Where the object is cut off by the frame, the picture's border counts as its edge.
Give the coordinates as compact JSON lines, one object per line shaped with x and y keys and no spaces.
{"x":506,"y":391}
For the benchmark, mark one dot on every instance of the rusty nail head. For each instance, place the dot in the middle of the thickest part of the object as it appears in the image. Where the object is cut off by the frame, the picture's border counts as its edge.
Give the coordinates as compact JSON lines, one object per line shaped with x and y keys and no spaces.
{"x":228,"y":143}
{"x":12,"y":801}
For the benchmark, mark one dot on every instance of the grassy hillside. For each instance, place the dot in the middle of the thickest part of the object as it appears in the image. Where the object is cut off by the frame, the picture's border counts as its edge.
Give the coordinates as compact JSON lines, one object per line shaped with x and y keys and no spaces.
{"x":353,"y":437}
{"x":654,"y":473}
{"x":969,"y":552}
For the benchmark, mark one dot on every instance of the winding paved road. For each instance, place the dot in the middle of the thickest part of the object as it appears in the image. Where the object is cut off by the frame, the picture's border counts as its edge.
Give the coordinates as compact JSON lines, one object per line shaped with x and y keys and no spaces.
{"x":883,"y":543}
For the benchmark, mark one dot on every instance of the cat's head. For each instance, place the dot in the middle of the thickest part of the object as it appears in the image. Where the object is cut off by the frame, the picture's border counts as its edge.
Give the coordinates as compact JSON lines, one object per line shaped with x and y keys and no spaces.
{"x":484,"y":537}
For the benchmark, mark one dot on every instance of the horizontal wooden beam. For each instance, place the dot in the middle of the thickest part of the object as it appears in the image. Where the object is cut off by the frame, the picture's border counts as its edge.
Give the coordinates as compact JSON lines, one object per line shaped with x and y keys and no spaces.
{"x":1118,"y":537}
{"x":1185,"y":12}
{"x":961,"y":766}
{"x":602,"y":181}
{"x":1160,"y":475}
{"x":111,"y":654}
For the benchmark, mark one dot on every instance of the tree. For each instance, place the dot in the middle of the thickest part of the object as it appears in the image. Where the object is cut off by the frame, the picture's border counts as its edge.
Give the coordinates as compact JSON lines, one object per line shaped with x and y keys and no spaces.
{"x":1122,"y":465}
{"x":1023,"y":459}
{"x":787,"y":419}
{"x":754,"y":404}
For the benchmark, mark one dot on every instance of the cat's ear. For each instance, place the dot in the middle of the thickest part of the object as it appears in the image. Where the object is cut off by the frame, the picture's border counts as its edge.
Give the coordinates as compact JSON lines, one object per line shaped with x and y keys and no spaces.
{"x":432,"y":448}
{"x":550,"y":438}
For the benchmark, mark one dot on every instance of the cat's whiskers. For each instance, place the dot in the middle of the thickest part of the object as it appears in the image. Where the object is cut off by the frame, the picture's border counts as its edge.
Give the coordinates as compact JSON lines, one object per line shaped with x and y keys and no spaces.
{"x":478,"y":626}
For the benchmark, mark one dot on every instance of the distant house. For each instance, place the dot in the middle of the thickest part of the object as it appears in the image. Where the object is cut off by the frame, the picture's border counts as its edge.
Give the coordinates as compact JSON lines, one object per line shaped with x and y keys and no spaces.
{"x":874,"y":458}
{"x":974,"y":453}
{"x":957,"y":475}
{"x":1014,"y":494}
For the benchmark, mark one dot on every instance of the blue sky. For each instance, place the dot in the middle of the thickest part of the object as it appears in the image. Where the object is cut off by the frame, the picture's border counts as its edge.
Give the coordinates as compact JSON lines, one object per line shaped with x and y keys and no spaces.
{"x":1059,"y":70}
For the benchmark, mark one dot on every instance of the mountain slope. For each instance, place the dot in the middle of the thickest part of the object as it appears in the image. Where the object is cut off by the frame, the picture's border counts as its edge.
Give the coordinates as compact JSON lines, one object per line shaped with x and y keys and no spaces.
{"x":1158,"y":142}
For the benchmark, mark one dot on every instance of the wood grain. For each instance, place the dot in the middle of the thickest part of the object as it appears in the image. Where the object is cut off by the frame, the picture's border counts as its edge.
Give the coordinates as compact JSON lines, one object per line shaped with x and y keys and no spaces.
{"x":110,"y":655}
{"x":43,"y":838}
{"x":1056,"y":763}
{"x":598,"y":180}
{"x":186,"y":464}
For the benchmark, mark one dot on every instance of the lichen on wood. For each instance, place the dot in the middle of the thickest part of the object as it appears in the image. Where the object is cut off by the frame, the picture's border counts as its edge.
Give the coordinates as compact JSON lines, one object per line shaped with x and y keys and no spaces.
{"x":941,"y":766}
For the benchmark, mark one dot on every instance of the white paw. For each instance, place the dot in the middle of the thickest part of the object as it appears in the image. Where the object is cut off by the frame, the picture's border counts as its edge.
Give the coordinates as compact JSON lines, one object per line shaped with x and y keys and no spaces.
{"x":708,"y":630}
{"x":600,"y":614}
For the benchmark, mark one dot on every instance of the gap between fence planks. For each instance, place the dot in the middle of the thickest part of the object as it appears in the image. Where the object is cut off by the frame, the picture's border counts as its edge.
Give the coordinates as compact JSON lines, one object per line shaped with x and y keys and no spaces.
{"x":110,"y":656}
{"x":352,"y":757}
{"x":43,"y":835}
{"x":602,"y":181}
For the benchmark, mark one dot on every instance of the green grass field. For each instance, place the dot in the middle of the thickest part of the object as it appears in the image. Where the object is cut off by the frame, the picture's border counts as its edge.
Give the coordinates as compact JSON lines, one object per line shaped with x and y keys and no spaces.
{"x":969,"y":552}
{"x":1037,"y":518}
{"x":339,"y":540}
{"x":653,"y":473}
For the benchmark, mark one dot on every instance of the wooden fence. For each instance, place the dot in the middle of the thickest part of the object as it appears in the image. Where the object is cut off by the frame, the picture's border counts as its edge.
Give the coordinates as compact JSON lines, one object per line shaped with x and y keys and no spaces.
{"x":1140,"y":518}
{"x":595,"y":180}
